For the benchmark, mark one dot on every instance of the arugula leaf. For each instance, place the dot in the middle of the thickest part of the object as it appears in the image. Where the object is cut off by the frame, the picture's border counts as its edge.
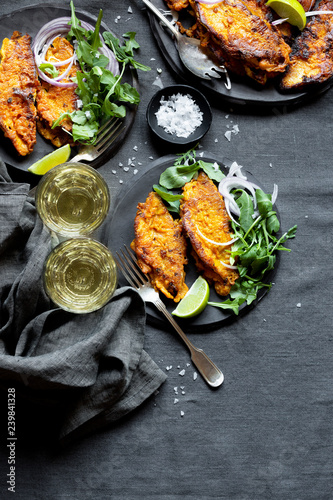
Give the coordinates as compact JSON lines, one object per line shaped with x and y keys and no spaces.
{"x":245,"y":204}
{"x":50,"y":69}
{"x":172,"y":200}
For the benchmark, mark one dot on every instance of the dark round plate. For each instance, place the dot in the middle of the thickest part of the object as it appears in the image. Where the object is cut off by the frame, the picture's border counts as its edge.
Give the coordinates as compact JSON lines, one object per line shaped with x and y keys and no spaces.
{"x":243,"y":92}
{"x":119,"y":231}
{"x":199,"y":99}
{"x":30,"y":20}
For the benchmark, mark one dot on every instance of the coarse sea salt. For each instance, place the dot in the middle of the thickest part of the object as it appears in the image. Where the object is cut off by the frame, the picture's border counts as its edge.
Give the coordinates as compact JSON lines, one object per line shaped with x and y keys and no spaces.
{"x":179,"y":115}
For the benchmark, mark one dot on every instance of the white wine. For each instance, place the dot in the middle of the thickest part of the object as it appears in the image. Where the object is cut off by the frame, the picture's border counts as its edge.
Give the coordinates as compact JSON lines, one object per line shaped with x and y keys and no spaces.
{"x":80,"y":275}
{"x":72,"y":199}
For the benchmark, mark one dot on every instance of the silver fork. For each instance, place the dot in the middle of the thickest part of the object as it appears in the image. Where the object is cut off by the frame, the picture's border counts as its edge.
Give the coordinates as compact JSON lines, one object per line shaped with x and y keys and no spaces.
{"x":194,"y":57}
{"x":127,"y":263}
{"x":106,"y":135}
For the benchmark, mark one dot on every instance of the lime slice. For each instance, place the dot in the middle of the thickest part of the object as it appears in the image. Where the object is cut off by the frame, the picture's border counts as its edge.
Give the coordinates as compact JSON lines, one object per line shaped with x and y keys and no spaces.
{"x":194,"y":301}
{"x":292,"y":10}
{"x":51,"y":160}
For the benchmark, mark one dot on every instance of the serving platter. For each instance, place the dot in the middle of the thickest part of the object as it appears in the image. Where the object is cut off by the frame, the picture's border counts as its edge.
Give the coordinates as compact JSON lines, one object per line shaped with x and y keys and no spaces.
{"x":243,"y":91}
{"x":119,"y":231}
{"x":29,"y":20}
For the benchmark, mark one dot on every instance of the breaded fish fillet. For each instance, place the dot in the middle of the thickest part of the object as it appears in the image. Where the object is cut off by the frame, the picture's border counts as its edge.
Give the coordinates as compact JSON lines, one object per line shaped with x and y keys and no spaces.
{"x":18,"y":87}
{"x":160,"y":247}
{"x":311,"y":61}
{"x":203,"y":214}
{"x":52,"y":101}
{"x":241,"y":36}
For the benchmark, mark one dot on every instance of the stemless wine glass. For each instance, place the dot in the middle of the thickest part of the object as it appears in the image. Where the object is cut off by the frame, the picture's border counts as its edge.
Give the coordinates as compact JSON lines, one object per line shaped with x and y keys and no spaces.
{"x":80,"y":275}
{"x":72,"y":199}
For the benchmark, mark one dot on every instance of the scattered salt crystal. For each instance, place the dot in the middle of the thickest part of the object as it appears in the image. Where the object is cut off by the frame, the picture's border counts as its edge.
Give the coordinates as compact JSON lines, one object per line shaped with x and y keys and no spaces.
{"x":175,"y":401}
{"x":182,"y":413}
{"x":126,"y":169}
{"x":182,"y":373}
{"x":139,"y":163}
{"x":228,"y":134}
{"x":188,"y":364}
{"x":299,"y":304}
{"x":270,"y":165}
{"x":120,"y":164}
{"x":216,"y":140}
{"x":159,"y":70}
{"x":158,"y":82}
{"x":152,"y":59}
{"x":114,"y":171}
{"x":168,"y":367}
{"x":129,"y":10}
{"x":120,"y":181}
{"x":135,"y":148}
{"x":151,"y":157}
{"x":183,"y":392}
{"x":135,"y":171}
{"x":176,"y":390}
{"x":235,"y":129}
{"x":179,"y":115}
{"x":195,"y":376}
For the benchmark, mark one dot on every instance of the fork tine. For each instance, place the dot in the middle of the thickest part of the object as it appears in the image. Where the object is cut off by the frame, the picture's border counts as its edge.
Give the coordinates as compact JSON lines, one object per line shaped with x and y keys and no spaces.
{"x":106,"y":127}
{"x":121,"y":264}
{"x":132,"y":262}
{"x":131,"y":273}
{"x":106,"y":136}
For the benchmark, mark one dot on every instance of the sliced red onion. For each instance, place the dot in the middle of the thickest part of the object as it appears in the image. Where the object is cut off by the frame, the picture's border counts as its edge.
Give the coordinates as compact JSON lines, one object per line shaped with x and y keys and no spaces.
{"x":275,"y":193}
{"x":208,"y":2}
{"x":236,"y":170}
{"x":318,"y":12}
{"x":229,"y":266}
{"x":218,"y":243}
{"x":46,"y":36}
{"x":307,"y":14}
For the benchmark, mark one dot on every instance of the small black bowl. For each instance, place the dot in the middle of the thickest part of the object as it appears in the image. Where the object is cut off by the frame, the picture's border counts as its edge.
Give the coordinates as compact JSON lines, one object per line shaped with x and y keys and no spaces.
{"x":166,"y":93}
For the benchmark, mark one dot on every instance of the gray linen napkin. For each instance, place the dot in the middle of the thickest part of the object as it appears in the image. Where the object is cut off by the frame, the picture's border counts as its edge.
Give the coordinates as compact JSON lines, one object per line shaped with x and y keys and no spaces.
{"x":92,"y":368}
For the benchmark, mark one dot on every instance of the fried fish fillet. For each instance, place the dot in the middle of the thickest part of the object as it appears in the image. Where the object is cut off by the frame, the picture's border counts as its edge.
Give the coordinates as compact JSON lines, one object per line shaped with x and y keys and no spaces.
{"x":240,"y":34}
{"x":311,"y":61}
{"x":160,"y":247}
{"x":204,"y":217}
{"x":52,"y":101}
{"x":18,"y":87}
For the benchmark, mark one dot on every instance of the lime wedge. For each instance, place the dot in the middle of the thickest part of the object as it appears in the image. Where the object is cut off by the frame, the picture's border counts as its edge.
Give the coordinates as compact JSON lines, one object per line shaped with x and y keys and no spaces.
{"x":292,"y":10}
{"x":194,"y":301}
{"x":51,"y":160}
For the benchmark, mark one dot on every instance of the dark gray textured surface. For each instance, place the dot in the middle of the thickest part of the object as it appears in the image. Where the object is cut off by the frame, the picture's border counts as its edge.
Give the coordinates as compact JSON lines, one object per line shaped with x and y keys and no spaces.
{"x":267,"y":432}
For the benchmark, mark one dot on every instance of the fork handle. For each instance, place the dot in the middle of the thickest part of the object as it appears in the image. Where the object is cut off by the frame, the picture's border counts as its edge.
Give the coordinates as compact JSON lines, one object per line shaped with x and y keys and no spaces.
{"x":208,"y":370}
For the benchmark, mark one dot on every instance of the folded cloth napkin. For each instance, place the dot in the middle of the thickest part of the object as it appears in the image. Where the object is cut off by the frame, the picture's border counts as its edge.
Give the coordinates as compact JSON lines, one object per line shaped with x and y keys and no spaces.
{"x":91,"y":368}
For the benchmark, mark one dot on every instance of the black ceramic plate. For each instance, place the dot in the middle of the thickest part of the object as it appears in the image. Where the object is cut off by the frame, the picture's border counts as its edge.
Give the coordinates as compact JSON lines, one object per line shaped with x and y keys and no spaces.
{"x":120,"y":231}
{"x":30,"y":20}
{"x":243,"y":92}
